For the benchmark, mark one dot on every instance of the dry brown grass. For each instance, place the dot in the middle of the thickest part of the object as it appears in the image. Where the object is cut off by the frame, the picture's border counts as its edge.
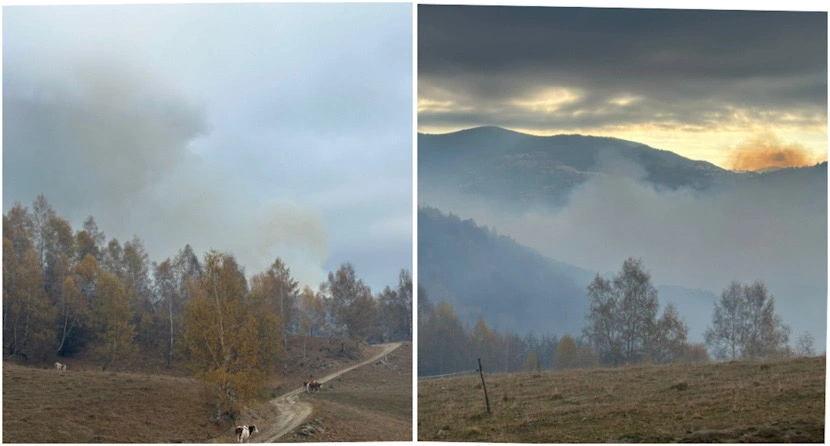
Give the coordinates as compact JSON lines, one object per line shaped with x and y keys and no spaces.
{"x":777,"y":401}
{"x":370,"y":403}
{"x":95,"y":406}
{"x":142,"y":401}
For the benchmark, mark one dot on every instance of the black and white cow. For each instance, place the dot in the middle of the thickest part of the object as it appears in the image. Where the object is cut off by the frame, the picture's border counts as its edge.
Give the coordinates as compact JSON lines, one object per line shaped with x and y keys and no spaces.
{"x":243,"y":432}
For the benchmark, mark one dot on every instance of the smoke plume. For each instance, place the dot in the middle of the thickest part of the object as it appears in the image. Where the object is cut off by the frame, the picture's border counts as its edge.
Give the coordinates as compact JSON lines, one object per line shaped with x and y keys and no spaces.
{"x":106,"y":138}
{"x":697,"y":240}
{"x":765,"y":150}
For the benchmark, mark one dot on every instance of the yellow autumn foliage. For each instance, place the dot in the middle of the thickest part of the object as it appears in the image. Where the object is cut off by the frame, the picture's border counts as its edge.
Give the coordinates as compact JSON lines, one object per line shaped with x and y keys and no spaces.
{"x":231,"y":339}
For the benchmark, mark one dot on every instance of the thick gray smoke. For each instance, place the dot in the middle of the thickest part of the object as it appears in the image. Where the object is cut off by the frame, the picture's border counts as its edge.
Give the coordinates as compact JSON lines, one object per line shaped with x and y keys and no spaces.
{"x":771,"y":230}
{"x":106,"y":138}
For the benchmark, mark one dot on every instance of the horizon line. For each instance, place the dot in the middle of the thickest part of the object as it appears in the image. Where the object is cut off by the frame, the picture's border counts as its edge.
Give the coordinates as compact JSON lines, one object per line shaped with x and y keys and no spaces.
{"x":760,"y":170}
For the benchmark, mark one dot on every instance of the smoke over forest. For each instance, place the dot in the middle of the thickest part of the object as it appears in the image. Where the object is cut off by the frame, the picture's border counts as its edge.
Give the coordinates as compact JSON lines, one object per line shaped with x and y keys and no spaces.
{"x":770,"y":227}
{"x":109,"y":139}
{"x":216,"y":129}
{"x":766,"y":150}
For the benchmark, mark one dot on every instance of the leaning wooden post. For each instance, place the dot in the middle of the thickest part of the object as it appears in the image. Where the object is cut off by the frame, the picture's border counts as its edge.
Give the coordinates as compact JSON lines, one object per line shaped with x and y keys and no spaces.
{"x":481,"y":372}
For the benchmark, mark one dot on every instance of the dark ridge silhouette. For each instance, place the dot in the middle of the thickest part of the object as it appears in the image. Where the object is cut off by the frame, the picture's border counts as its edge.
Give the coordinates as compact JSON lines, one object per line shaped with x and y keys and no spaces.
{"x":480,"y":272}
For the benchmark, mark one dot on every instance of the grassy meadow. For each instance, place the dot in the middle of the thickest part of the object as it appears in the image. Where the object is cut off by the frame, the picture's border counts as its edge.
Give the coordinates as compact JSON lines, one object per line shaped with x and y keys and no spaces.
{"x":42,"y":405}
{"x":769,"y":402}
{"x":144,"y":402}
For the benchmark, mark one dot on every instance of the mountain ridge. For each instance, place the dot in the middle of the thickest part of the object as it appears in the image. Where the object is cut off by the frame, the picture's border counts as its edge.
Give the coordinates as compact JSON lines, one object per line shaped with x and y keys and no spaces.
{"x":496,"y":130}
{"x":525,"y":170}
{"x":491,"y":131}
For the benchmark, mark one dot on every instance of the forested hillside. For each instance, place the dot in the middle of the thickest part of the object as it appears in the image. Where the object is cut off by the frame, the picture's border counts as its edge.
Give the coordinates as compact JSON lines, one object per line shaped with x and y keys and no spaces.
{"x":480,"y":272}
{"x":68,"y":292}
{"x":482,"y":295}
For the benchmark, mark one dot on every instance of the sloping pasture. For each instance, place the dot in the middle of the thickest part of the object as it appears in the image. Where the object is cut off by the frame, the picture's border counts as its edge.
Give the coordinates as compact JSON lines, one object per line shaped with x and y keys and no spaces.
{"x":46,"y":406}
{"x":772,"y":401}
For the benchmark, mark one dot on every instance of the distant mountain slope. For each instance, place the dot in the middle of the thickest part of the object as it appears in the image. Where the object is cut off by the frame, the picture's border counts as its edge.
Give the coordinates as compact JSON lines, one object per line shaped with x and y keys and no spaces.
{"x":514,"y":287}
{"x":571,"y":197}
{"x":808,"y":175}
{"x":525,"y":169}
{"x":482,"y":273}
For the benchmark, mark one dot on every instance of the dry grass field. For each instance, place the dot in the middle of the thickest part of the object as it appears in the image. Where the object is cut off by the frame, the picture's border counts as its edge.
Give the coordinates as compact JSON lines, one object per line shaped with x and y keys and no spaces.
{"x":96,"y":406}
{"x":141,"y":401}
{"x":768,"y":402}
{"x":370,"y":403}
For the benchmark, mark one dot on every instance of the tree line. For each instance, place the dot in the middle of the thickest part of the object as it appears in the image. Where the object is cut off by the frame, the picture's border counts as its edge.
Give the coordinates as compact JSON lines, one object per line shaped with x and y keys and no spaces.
{"x":445,"y":345}
{"x":68,"y":292}
{"x":621,"y":327}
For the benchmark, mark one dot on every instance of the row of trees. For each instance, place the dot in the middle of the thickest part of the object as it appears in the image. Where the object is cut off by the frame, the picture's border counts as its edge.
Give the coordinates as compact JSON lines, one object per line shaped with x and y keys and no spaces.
{"x":64,"y":290}
{"x":622,"y":323}
{"x":352,"y":312}
{"x":69,"y":292}
{"x":622,"y":327}
{"x":446,"y":345}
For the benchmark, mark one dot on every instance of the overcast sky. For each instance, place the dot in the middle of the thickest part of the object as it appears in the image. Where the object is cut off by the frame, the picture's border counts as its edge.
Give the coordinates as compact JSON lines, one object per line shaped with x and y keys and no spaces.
{"x":262,"y":129}
{"x":708,"y":85}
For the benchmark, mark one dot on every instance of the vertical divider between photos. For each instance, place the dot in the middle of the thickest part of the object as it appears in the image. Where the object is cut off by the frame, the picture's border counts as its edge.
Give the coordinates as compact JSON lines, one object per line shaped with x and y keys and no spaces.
{"x":414,"y":331}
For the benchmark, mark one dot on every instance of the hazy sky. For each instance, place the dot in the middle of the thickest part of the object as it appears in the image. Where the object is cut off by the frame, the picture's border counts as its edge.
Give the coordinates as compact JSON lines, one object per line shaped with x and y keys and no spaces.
{"x":262,"y":129}
{"x":711,"y":85}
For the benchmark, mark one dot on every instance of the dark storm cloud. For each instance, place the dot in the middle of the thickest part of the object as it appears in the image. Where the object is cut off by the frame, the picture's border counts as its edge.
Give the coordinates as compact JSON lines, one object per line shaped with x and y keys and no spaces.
{"x":688,"y":66}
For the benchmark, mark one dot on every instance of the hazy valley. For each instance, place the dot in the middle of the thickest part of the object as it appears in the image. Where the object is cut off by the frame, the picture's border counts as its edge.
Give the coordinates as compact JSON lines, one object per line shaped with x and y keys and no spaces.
{"x":513,"y":227}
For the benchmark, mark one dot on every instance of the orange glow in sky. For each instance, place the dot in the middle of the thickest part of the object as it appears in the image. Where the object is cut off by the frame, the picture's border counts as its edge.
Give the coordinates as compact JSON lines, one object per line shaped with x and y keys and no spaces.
{"x":735,"y":149}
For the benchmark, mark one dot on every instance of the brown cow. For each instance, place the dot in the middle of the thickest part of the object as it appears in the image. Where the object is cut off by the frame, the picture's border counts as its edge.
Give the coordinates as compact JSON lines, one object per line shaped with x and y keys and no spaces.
{"x":312,"y":386}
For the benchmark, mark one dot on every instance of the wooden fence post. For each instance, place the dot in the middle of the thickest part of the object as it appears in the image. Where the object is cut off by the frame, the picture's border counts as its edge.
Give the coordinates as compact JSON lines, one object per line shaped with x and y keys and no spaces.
{"x":481,"y":372}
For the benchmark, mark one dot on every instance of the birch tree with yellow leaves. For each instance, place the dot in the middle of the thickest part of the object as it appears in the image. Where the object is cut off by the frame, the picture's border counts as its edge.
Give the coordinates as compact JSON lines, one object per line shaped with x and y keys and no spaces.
{"x":231,"y":339}
{"x":111,"y":310}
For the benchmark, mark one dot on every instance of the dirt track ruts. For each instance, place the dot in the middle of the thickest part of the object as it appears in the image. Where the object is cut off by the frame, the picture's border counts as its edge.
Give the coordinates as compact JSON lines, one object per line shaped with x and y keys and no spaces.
{"x":293,"y":412}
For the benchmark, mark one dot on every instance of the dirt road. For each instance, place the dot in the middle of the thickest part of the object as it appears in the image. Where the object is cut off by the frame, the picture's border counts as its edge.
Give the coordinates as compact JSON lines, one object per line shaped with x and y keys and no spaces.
{"x":293,"y":412}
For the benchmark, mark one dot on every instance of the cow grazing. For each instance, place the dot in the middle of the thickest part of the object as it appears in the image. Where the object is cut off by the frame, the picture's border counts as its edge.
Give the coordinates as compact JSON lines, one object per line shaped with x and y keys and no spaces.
{"x":60,"y":366}
{"x":312,"y":386}
{"x":243,"y":432}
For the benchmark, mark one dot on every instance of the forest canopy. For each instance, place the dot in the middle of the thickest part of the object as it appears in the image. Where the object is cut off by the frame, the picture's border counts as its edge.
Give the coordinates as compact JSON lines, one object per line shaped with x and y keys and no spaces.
{"x":69,"y":292}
